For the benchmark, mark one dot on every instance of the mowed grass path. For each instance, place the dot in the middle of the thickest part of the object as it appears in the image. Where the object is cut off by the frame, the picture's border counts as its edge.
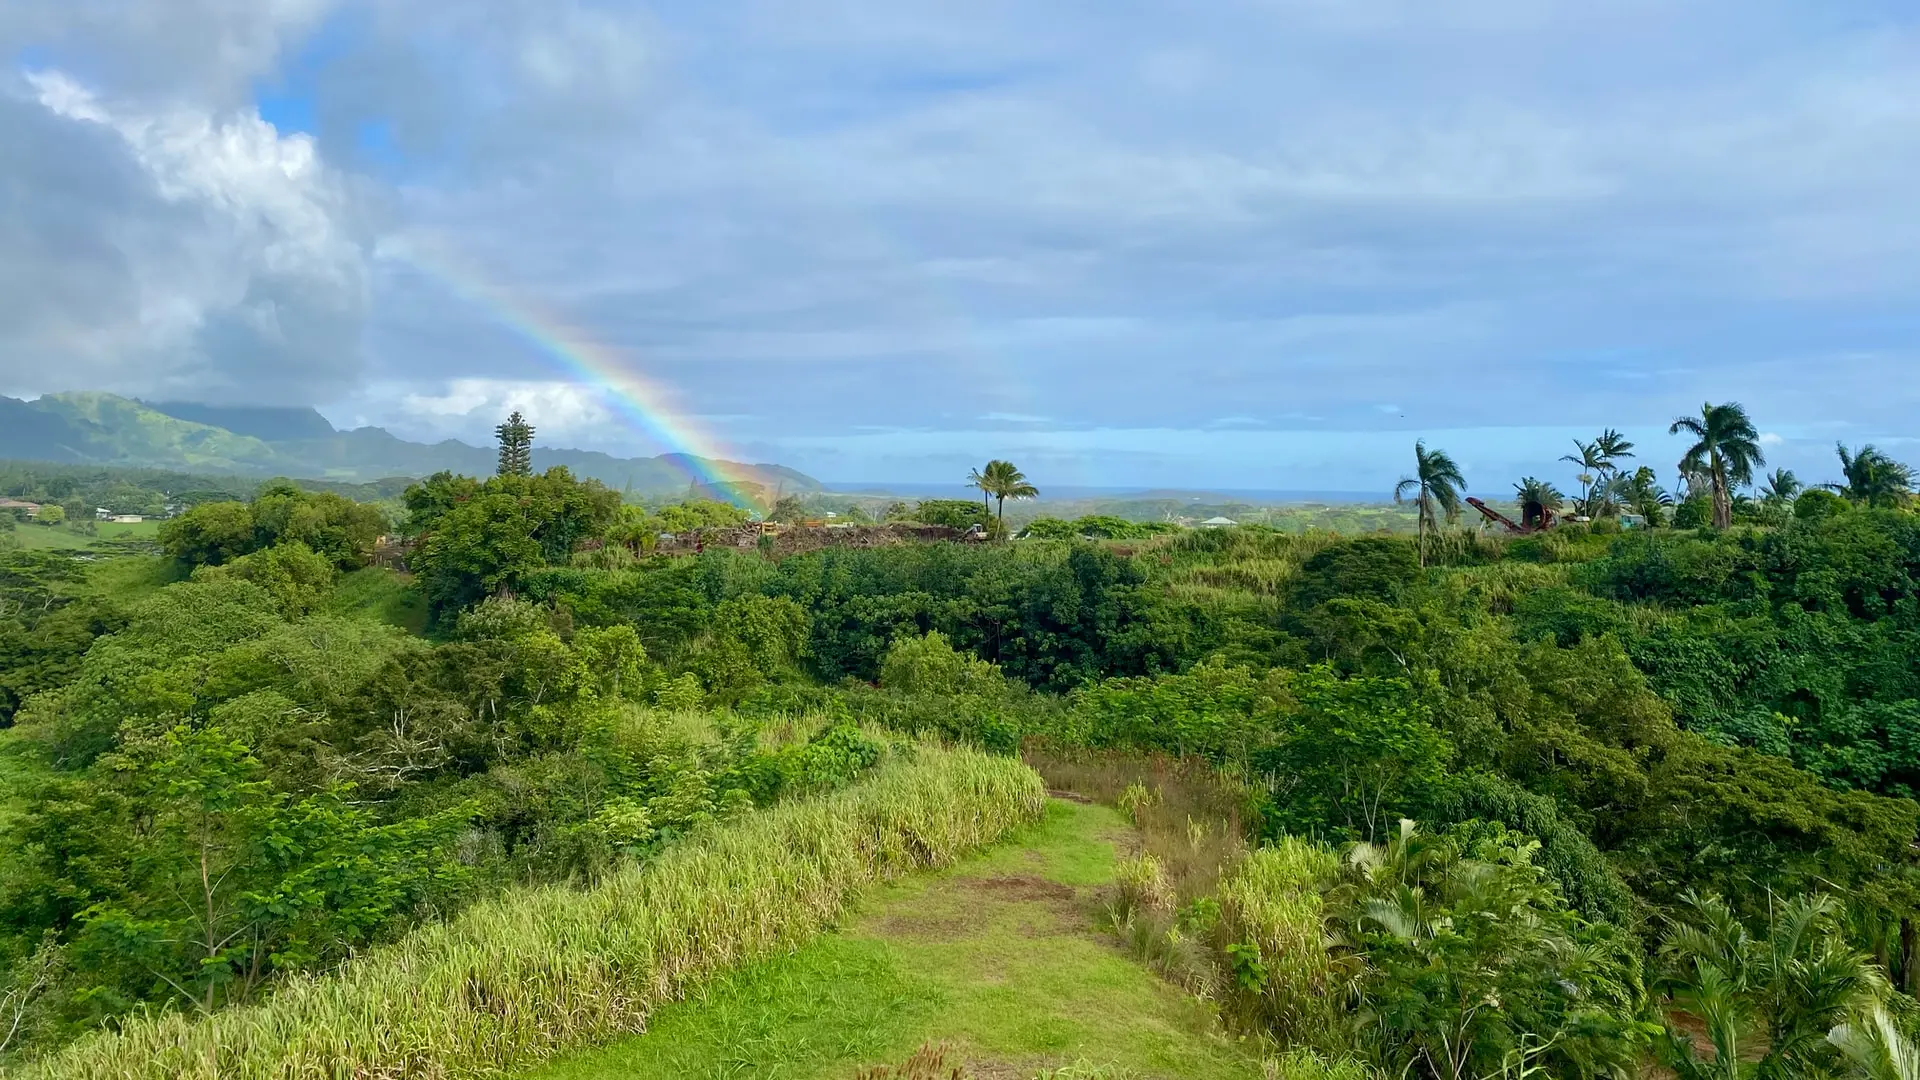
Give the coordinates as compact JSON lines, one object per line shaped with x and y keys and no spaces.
{"x":997,"y":958}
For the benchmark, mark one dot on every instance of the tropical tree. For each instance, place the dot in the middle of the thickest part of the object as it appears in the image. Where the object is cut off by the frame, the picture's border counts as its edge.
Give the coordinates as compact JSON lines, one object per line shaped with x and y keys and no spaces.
{"x":1437,"y":481}
{"x":978,"y":479}
{"x":1768,"y":1003}
{"x":1608,"y":494}
{"x":787,"y":509}
{"x":1646,"y":496}
{"x":1876,"y":1048}
{"x":1782,"y":486}
{"x":1536,"y":498}
{"x":1873,"y":478}
{"x":1612,"y":446}
{"x":1476,"y":966}
{"x":516,"y":446}
{"x":1726,"y":449}
{"x":1592,"y":464}
{"x":1003,"y":481}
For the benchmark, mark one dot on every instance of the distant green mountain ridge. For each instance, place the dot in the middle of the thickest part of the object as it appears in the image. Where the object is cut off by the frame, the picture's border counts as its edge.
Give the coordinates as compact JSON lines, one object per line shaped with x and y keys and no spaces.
{"x":106,"y":429}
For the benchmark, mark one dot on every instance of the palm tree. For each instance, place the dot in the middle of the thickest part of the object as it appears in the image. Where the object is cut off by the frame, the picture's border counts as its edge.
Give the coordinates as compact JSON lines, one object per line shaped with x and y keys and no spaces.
{"x":1592,"y":463}
{"x":1611,"y":492}
{"x":1612,"y":446}
{"x":1001,"y":480}
{"x":977,"y":479}
{"x":1537,"y":498}
{"x":1646,"y":496}
{"x":1876,"y":1048}
{"x":1438,"y":481}
{"x":1873,"y":478}
{"x":1782,"y":995}
{"x":1726,"y":449}
{"x":1781,"y":487}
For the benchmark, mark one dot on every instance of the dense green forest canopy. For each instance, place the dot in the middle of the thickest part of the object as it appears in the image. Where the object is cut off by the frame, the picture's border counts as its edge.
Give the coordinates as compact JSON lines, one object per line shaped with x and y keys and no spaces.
{"x":261,"y":751}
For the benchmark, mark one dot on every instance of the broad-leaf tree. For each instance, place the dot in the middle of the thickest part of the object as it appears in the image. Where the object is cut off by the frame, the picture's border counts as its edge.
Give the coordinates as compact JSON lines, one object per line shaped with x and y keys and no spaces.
{"x":1436,"y":483}
{"x":1726,"y":450}
{"x":1475,"y":966}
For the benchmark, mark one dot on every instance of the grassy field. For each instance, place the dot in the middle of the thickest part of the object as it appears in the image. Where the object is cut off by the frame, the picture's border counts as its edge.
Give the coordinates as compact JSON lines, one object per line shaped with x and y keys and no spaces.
{"x":996,"y":960}
{"x":132,"y":577}
{"x":33,"y":536}
{"x":381,"y":594}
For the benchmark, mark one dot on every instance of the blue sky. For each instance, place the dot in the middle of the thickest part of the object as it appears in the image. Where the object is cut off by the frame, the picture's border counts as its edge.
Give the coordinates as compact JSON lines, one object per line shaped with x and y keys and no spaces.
{"x":1251,"y":243}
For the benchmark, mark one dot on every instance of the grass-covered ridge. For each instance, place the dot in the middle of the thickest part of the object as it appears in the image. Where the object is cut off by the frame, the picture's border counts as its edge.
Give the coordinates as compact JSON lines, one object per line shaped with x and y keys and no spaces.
{"x":998,"y":962}
{"x":535,"y":971}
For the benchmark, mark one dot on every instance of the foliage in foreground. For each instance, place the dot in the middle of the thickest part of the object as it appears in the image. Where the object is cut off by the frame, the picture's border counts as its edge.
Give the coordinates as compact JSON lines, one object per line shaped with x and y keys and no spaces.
{"x":535,"y":971}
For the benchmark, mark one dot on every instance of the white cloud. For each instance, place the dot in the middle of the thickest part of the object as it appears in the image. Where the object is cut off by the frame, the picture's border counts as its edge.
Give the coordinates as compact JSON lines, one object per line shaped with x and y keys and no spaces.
{"x":470,"y":407}
{"x":168,"y":251}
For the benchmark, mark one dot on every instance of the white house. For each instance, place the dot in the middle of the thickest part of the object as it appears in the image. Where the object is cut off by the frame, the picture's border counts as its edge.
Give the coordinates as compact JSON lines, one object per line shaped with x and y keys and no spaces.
{"x":1218,"y":523}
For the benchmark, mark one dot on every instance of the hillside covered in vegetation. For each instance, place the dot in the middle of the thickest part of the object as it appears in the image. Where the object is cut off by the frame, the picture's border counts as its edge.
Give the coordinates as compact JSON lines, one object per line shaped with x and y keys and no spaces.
{"x":1450,"y":805}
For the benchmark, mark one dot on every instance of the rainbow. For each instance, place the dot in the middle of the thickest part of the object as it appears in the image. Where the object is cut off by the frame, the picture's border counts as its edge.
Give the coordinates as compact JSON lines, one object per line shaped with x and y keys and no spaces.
{"x":645,"y":405}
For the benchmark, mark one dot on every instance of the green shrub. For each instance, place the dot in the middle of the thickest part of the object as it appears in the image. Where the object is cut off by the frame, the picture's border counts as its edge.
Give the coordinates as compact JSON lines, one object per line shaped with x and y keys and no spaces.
{"x":930,"y":665}
{"x":1371,"y":568}
{"x":1694,"y":513}
{"x":1589,"y":882}
{"x":953,"y":513}
{"x":1818,"y":505}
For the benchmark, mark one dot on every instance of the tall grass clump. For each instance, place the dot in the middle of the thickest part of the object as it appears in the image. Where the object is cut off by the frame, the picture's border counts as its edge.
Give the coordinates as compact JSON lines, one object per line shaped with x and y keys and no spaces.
{"x":540,"y":970}
{"x":1495,"y":588}
{"x":1191,"y":818}
{"x":1274,"y":941}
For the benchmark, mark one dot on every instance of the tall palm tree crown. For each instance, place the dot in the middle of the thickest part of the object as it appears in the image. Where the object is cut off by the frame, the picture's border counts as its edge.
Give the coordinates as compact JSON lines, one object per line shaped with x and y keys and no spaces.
{"x":1873,"y":478}
{"x":1612,"y":447}
{"x":1726,"y":450}
{"x":1781,"y":487}
{"x":1592,"y":464}
{"x":1537,"y":499}
{"x":1003,"y":481}
{"x":1438,"y":482}
{"x":977,"y":479}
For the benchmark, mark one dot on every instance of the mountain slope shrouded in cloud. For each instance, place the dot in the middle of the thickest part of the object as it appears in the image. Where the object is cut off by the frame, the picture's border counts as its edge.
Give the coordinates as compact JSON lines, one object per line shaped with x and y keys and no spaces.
{"x":262,"y":422}
{"x":106,"y":429}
